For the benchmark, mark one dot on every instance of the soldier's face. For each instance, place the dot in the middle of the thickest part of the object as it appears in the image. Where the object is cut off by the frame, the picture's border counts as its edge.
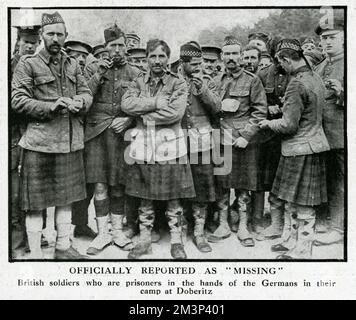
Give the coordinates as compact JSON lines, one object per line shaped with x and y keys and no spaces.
{"x":27,"y":45}
{"x":231,"y":56}
{"x":132,"y":43}
{"x":332,"y":43}
{"x":54,"y":36}
{"x":259,"y":44}
{"x":157,"y":60}
{"x":285,"y":63}
{"x":308,"y":47}
{"x":193,"y":66}
{"x":265,"y":62}
{"x":250,"y":60}
{"x":117,"y":49}
{"x":140,"y":62}
{"x":80,"y":56}
{"x":209,"y":65}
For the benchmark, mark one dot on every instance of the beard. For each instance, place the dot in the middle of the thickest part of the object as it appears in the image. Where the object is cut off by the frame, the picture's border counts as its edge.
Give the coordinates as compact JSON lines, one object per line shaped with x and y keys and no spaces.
{"x":54,"y":48}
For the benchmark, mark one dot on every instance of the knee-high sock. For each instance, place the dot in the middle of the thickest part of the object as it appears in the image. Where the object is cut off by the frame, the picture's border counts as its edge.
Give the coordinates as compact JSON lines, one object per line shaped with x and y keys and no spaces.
{"x":63,"y":217}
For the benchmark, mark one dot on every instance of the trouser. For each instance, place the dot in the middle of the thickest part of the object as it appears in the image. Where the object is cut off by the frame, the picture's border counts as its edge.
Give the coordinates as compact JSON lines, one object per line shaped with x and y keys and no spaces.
{"x":335,"y":167}
{"x":174,"y":214}
{"x":80,"y":208}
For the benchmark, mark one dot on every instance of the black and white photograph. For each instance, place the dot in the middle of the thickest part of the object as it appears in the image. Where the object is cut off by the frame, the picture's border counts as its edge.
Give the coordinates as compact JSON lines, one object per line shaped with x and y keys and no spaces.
{"x":177,"y":133}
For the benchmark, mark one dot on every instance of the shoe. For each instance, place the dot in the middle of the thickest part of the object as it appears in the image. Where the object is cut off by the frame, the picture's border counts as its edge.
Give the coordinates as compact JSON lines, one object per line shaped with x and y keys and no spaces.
{"x":69,"y":254}
{"x":99,"y":244}
{"x":284,"y":257}
{"x":248,"y":242}
{"x":177,"y":251}
{"x":278,"y":248}
{"x":140,"y":249}
{"x":326,"y":239}
{"x":84,"y":231}
{"x":44,"y":242}
{"x":155,"y":236}
{"x":270,"y":233}
{"x":202,"y":244}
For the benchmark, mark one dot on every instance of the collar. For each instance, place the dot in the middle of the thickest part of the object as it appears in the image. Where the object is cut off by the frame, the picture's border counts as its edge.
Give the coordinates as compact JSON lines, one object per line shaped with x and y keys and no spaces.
{"x":46,"y":57}
{"x":301,"y":69}
{"x":164,"y":78}
{"x":336,"y":57}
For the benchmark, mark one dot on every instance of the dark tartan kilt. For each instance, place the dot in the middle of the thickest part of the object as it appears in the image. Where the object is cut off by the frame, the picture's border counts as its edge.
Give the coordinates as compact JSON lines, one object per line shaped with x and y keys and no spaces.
{"x":204,"y":180}
{"x":246,"y":173}
{"x":159,"y":181}
{"x":301,"y":179}
{"x":104,"y":159}
{"x":52,"y":179}
{"x":269,"y":159}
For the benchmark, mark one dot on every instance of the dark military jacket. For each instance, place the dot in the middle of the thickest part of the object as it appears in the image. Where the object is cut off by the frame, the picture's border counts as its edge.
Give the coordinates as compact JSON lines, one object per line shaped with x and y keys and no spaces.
{"x":333,"y":113}
{"x":107,"y":92}
{"x":301,"y":122}
{"x":247,"y":89}
{"x":35,"y":88}
{"x":201,"y":108}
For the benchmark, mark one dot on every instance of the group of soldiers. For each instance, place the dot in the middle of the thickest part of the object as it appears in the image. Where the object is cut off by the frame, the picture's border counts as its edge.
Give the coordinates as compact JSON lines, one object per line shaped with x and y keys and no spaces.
{"x":135,"y":131}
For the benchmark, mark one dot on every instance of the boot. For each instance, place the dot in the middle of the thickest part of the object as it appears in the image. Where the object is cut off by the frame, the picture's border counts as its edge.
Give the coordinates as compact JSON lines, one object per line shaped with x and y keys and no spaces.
{"x":257,"y":210}
{"x":223,"y":231}
{"x":146,"y":218}
{"x":289,"y":235}
{"x":103,"y":238}
{"x":119,"y":237}
{"x":275,"y":230}
{"x":34,"y":241}
{"x":244,"y":236}
{"x":334,"y":236}
{"x":199,"y":214}
{"x":304,"y":225}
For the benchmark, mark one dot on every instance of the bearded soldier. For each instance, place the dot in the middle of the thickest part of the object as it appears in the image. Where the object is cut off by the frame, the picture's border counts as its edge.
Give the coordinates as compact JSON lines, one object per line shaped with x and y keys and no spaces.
{"x":50,"y":88}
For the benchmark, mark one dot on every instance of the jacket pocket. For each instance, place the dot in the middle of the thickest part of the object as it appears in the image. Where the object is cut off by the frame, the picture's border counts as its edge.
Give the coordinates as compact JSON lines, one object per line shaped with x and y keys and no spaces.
{"x":45,"y":87}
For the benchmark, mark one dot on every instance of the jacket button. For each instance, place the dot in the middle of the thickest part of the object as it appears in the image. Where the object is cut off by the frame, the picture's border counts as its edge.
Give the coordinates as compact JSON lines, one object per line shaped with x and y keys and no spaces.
{"x":37,"y":124}
{"x":115,"y":91}
{"x":188,"y":115}
{"x":63,"y":88}
{"x":189,"y":127}
{"x":221,"y":119}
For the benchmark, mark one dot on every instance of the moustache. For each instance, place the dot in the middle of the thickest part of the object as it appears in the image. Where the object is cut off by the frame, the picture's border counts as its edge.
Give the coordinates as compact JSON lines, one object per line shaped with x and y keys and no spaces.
{"x":231,"y":61}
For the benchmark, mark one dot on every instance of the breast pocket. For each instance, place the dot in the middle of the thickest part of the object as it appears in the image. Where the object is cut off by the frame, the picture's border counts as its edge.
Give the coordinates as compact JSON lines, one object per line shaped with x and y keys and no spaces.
{"x":45,"y":88}
{"x":71,"y":84}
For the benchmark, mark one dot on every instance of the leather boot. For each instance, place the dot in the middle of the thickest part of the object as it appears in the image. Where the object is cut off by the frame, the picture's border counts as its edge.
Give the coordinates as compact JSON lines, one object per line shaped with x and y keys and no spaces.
{"x":275,"y":230}
{"x":244,"y":236}
{"x":303,"y":223}
{"x":199,"y":214}
{"x":223,"y":231}
{"x":119,"y":237}
{"x":103,"y":239}
{"x":234,"y":216}
{"x":146,"y":218}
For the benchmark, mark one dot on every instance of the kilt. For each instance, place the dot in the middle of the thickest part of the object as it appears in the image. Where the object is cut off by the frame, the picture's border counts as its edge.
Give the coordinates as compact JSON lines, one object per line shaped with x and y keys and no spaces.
{"x":269,"y":159}
{"x":204,"y":181}
{"x":246,"y":172}
{"x":104,"y":159}
{"x":51,"y":179}
{"x":301,"y":179}
{"x":159,"y":181}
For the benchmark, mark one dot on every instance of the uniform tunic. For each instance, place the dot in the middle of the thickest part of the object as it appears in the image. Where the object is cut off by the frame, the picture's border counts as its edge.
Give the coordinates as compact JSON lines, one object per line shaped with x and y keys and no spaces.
{"x":152,"y":176}
{"x":300,"y":177}
{"x":104,"y":149}
{"x":53,"y":171}
{"x":247,"y":89}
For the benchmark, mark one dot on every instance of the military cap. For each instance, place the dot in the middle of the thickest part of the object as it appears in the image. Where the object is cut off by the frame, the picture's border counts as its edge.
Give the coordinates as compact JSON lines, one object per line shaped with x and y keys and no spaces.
{"x":54,"y":18}
{"x":190,"y":49}
{"x":137,"y":52}
{"x":112,"y":33}
{"x":132,"y":36}
{"x":307,"y":40}
{"x":265,"y":54}
{"x":99,"y":48}
{"x":230,"y":40}
{"x":211,"y":52}
{"x":291,"y":44}
{"x":259,"y":36}
{"x":331,"y":26}
{"x":315,"y":55}
{"x":79,"y":46}
{"x":29,"y":32}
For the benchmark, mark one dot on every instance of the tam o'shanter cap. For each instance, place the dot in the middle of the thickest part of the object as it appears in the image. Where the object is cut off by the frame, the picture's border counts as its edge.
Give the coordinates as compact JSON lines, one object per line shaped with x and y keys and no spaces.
{"x":190,"y":49}
{"x":113,"y":33}
{"x":79,"y":46}
{"x":51,"y":18}
{"x":291,"y":44}
{"x":230,"y":40}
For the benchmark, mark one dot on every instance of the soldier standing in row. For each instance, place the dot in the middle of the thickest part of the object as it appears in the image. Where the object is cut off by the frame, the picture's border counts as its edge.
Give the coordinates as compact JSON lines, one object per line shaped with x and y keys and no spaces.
{"x":331,"y":71}
{"x":106,"y":124}
{"x":138,"y":58}
{"x":160,"y":170}
{"x":78,"y":50}
{"x":50,"y":88}
{"x":243,"y":106}
{"x":202,"y":105}
{"x":211,"y":56}
{"x":300,"y":179}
